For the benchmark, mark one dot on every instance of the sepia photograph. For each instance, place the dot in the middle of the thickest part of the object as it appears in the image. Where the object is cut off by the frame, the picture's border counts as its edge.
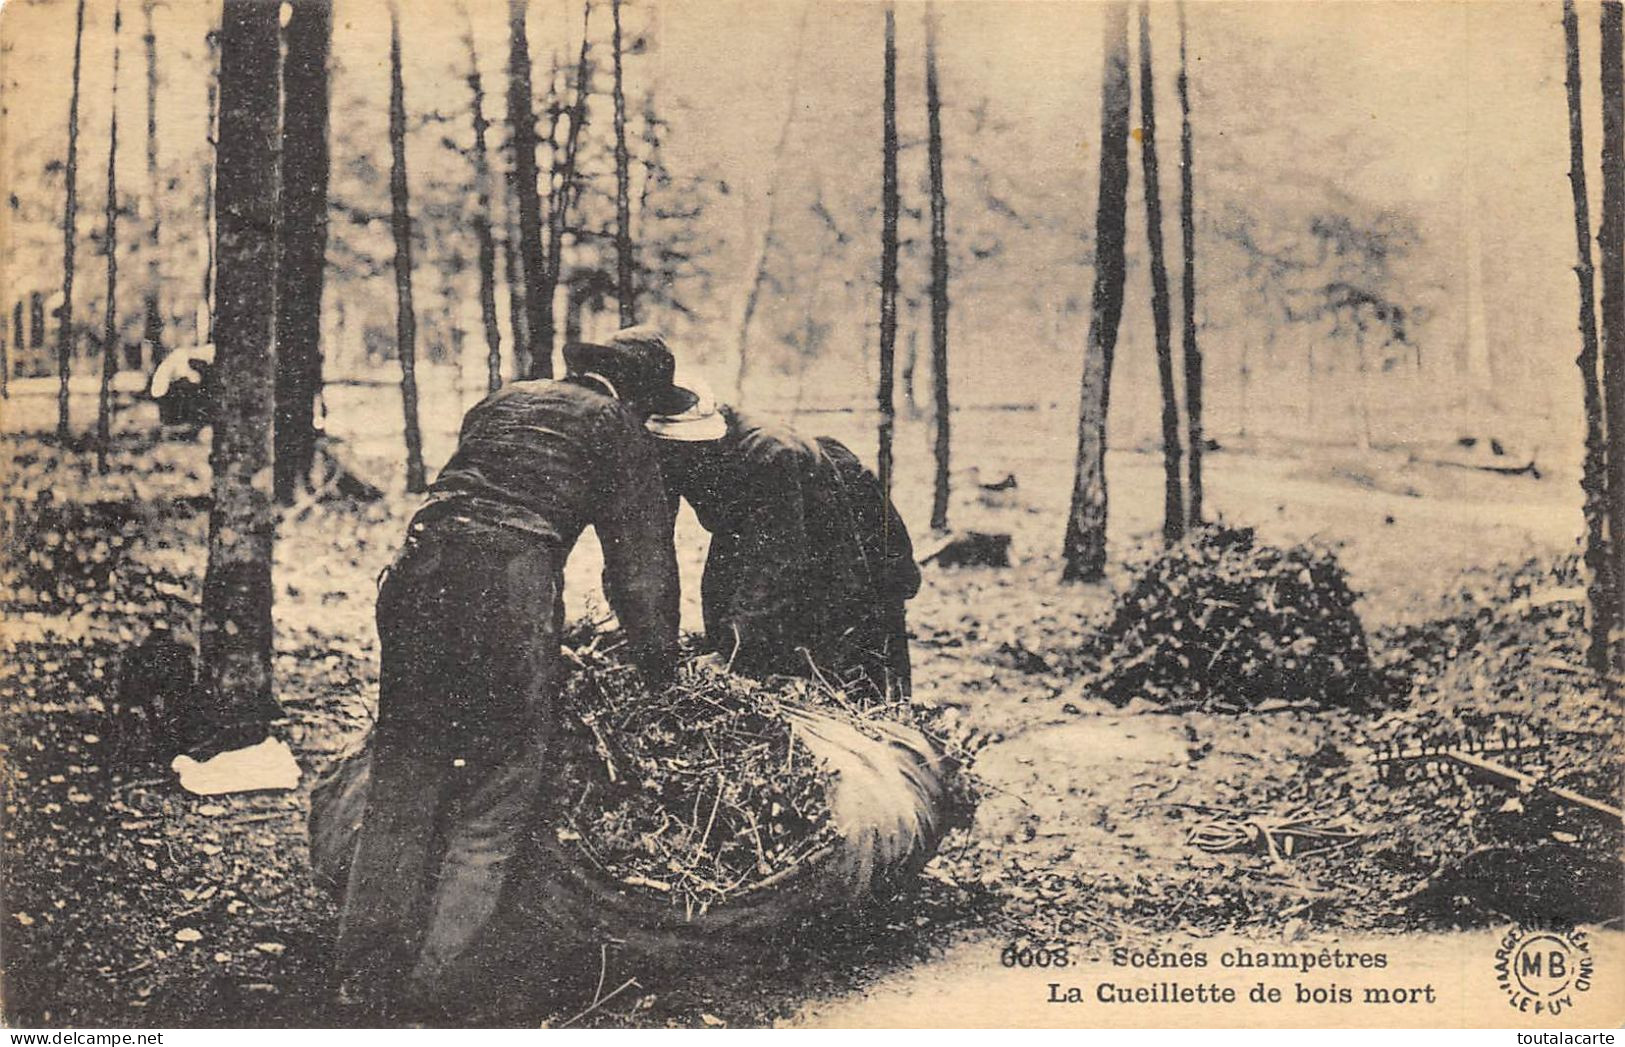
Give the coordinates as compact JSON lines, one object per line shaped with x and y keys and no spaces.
{"x":642,"y":514}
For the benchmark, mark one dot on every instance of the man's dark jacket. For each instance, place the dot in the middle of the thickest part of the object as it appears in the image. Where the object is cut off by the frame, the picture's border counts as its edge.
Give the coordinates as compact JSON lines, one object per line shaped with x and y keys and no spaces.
{"x":809,"y":564}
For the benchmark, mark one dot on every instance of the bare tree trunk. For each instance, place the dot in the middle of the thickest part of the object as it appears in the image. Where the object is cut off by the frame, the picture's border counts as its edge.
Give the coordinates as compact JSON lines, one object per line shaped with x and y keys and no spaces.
{"x":1593,"y":481}
{"x":1611,"y":244}
{"x":623,"y":189}
{"x":401,"y":224}
{"x":911,"y":360}
{"x":649,"y":128}
{"x":516,"y":300}
{"x":1478,"y":381}
{"x":939,"y":275}
{"x":237,"y":595}
{"x":572,"y":316}
{"x":210,"y":175}
{"x":70,"y":210}
{"x":110,"y":329}
{"x":1363,"y":392}
{"x":1311,"y":381}
{"x":18,"y":334}
{"x":1244,"y":377}
{"x":758,"y":267}
{"x":1173,"y":500}
{"x":152,"y":328}
{"x":888,"y":253}
{"x":1084,"y":547}
{"x":303,"y":235}
{"x":562,"y":190}
{"x":533,"y":353}
{"x":482,"y":214}
{"x":1192,"y":353}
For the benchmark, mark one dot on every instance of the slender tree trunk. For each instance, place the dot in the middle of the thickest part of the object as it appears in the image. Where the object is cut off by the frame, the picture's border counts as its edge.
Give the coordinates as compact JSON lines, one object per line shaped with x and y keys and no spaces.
{"x":1191,"y":351}
{"x":1311,"y":381}
{"x":764,"y":246}
{"x":1611,"y":244}
{"x":64,"y":335}
{"x":1362,"y":400}
{"x":18,"y":332}
{"x":401,"y":225}
{"x":534,"y":353}
{"x":337,"y":354}
{"x":303,"y":243}
{"x":649,"y":125}
{"x":572,"y":315}
{"x":210,"y":175}
{"x":1478,"y":381}
{"x":110,"y":328}
{"x":237,"y":596}
{"x":911,"y":360}
{"x":562,"y":190}
{"x":482,"y":213}
{"x":888,"y":253}
{"x":939,"y":275}
{"x":1244,"y":378}
{"x":1593,"y":481}
{"x":623,"y":189}
{"x":1173,"y":500}
{"x":516,"y":300}
{"x":553,"y":106}
{"x":1084,"y":547}
{"x":152,"y":328}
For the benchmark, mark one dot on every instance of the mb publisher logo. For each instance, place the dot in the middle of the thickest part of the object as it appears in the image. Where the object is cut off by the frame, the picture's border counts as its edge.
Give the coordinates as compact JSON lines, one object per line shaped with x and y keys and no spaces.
{"x":1542,"y":971}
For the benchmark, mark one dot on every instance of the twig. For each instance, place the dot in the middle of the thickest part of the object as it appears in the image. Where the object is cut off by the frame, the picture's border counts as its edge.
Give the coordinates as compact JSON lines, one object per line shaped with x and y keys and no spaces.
{"x":700,"y":849}
{"x":603,"y":748}
{"x":603,"y":969}
{"x":786,"y":872}
{"x":599,"y":1003}
{"x":756,"y":838}
{"x":267,"y":816}
{"x":143,"y":782}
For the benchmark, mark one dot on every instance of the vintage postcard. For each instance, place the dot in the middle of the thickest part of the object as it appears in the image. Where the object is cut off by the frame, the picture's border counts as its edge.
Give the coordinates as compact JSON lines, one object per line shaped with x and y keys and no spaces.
{"x":707,"y":513}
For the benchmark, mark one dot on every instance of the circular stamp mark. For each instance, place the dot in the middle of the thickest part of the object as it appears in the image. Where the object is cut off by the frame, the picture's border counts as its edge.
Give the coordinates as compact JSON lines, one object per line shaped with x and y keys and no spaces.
{"x":1543,"y":971}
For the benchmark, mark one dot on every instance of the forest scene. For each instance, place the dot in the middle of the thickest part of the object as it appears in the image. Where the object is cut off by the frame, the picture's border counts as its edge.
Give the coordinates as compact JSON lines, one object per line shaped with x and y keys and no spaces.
{"x":1250,"y":386}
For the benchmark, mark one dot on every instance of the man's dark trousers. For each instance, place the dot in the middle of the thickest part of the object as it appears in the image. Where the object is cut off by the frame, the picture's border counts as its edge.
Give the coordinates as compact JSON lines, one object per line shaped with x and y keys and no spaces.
{"x":468,"y":620}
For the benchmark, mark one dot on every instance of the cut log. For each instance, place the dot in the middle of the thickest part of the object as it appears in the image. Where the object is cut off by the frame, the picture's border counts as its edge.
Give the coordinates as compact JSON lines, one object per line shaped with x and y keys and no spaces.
{"x":338,"y":476}
{"x":969,"y":549}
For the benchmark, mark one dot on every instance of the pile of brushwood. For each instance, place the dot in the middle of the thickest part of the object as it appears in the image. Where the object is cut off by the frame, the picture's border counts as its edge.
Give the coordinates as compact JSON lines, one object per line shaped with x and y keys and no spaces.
{"x":707,"y":790}
{"x":1223,"y":622}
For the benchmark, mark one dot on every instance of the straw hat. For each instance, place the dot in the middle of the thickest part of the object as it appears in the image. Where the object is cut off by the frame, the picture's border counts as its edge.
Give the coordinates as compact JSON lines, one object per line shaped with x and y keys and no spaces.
{"x":640,"y":366}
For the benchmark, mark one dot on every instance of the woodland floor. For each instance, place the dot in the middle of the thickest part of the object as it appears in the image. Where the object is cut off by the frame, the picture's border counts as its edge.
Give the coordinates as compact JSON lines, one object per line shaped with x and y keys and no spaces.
{"x":131,"y":903}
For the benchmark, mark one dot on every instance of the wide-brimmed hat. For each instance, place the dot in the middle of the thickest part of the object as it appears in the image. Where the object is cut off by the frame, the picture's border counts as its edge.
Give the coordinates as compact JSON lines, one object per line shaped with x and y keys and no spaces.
{"x":700,"y":422}
{"x":641,"y":367}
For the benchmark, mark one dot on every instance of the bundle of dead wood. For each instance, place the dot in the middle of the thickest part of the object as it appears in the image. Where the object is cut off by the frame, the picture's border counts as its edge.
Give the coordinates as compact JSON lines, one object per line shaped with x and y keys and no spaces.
{"x":1224,"y":622}
{"x":722,"y":786}
{"x":695,"y":820}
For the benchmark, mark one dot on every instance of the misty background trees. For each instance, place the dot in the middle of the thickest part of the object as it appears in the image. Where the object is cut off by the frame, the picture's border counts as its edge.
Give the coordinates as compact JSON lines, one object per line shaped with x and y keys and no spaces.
{"x":701,"y":169}
{"x":574,"y":165}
